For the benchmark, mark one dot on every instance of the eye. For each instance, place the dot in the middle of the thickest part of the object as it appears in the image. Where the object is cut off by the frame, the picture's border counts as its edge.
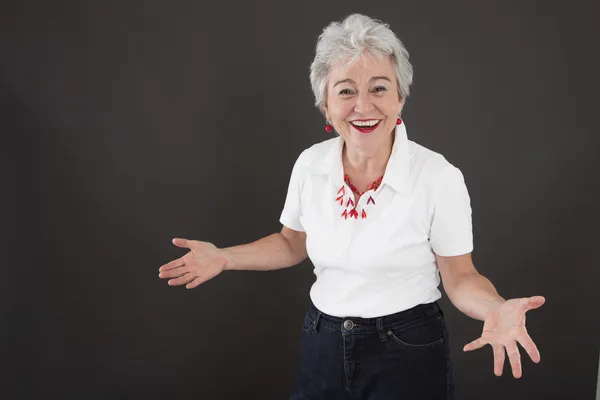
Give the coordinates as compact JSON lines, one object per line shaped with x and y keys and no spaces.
{"x":346,"y":92}
{"x":379,"y":89}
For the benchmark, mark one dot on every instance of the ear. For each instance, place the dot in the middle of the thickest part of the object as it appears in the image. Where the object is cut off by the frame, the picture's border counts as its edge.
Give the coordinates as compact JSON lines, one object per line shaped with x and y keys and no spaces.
{"x":324,"y":111}
{"x":400,"y":106}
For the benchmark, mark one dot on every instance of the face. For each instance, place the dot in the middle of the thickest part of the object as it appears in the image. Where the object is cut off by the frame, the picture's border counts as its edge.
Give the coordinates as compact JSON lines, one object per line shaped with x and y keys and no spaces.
{"x":362,"y":100}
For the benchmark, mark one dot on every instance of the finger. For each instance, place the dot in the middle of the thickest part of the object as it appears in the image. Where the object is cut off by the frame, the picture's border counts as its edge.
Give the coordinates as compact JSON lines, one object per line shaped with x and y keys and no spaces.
{"x":173,"y":264}
{"x":515,"y":358}
{"x":535,"y":302}
{"x":199,"y":280}
{"x":499,"y":357}
{"x":527,"y":343}
{"x":174,"y":273}
{"x":187,"y":278}
{"x":475,"y":344}
{"x":179,"y":242}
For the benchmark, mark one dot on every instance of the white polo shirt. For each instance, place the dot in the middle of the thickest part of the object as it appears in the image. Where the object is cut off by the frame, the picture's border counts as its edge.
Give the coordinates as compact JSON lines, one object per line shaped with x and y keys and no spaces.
{"x":380,"y":261}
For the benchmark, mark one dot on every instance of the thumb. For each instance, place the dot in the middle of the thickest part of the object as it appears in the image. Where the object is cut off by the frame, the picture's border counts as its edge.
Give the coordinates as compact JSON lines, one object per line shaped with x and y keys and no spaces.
{"x":535,"y":302}
{"x":474,"y":345}
{"x":179,"y":242}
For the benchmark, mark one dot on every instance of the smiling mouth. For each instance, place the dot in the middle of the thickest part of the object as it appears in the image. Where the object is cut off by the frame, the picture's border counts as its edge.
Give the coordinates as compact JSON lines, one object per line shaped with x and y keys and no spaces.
{"x":365,"y":126}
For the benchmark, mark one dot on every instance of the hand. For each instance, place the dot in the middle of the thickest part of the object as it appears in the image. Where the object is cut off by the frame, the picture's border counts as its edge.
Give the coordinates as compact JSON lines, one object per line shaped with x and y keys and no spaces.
{"x":204,"y":261}
{"x":503,"y":328}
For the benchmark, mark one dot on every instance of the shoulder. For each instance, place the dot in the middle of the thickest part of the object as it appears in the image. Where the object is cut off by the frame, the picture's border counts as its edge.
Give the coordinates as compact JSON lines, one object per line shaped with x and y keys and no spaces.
{"x":428,"y":167}
{"x":317,"y":154}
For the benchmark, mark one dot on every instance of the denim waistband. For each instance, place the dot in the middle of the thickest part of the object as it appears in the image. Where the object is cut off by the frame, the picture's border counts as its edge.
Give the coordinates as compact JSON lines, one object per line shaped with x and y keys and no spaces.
{"x":357,"y":325}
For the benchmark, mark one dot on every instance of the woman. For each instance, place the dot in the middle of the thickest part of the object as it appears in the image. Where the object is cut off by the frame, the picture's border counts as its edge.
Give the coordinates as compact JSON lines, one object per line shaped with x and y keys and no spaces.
{"x":381,"y":218}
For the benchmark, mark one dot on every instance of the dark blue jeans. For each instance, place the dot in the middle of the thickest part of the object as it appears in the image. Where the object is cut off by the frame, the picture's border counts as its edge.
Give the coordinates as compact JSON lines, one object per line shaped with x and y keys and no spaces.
{"x":399,"y":356}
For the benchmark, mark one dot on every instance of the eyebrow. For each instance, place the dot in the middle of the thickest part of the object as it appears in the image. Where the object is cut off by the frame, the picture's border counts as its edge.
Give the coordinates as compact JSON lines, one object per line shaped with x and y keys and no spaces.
{"x":375,"y":78}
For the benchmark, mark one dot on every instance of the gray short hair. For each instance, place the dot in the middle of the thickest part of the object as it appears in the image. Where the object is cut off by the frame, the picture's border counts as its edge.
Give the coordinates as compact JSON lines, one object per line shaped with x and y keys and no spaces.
{"x":345,"y":41}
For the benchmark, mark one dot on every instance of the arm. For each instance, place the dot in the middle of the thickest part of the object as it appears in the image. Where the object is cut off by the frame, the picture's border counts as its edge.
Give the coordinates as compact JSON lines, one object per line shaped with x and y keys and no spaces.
{"x":279,"y":250}
{"x":472,"y":293}
{"x":204,"y":261}
{"x":469,"y":291}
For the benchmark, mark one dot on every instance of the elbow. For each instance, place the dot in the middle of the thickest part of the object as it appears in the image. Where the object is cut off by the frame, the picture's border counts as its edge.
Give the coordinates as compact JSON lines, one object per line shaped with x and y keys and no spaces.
{"x":453,"y":285}
{"x":296,"y":245}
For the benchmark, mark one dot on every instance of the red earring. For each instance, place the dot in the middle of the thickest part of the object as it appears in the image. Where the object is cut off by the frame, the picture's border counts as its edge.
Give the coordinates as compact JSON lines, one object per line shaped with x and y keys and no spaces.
{"x":328,"y":127}
{"x":398,"y":121}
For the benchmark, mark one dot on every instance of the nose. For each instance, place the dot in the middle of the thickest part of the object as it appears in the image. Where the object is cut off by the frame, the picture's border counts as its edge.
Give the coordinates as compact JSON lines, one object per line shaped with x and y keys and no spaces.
{"x":363,"y":103}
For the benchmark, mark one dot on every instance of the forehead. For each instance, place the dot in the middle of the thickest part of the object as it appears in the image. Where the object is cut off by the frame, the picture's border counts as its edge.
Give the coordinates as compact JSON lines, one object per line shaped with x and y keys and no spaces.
{"x":363,"y":68}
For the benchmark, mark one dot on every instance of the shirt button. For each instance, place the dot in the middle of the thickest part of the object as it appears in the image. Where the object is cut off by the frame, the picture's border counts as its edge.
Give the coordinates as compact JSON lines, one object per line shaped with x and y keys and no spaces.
{"x":348,"y":325}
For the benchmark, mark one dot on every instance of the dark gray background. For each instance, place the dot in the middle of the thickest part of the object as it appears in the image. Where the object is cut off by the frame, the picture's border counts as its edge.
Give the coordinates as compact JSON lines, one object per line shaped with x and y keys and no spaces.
{"x":127,"y":123}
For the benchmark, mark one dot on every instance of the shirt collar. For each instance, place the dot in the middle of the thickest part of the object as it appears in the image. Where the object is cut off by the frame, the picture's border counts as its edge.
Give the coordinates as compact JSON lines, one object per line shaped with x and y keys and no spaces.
{"x":396,"y":172}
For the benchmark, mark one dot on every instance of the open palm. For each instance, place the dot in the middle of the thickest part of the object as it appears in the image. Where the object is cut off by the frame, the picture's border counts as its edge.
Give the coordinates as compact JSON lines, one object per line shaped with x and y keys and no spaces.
{"x":503,"y":328}
{"x":204,"y":261}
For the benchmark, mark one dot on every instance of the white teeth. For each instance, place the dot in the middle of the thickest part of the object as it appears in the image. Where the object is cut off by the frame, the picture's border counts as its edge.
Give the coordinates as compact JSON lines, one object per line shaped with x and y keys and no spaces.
{"x":365,"y":123}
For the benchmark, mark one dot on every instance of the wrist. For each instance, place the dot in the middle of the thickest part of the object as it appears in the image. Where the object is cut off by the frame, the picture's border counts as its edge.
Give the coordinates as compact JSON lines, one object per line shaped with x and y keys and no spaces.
{"x":228,"y":256}
{"x":495,"y":304}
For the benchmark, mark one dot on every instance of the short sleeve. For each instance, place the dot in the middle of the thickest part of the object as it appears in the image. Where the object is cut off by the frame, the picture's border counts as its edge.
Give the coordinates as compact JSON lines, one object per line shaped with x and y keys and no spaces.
{"x":451,"y":231}
{"x":292,"y":209}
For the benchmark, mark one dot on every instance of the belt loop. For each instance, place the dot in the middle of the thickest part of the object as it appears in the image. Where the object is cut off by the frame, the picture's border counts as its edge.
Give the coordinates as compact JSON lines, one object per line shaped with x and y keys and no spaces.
{"x":382,"y":334}
{"x":316,"y":325}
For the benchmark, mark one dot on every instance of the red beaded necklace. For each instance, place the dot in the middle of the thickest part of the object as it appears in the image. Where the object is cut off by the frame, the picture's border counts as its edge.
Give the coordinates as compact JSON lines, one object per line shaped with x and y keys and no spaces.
{"x":353,"y":211}
{"x":373,"y":185}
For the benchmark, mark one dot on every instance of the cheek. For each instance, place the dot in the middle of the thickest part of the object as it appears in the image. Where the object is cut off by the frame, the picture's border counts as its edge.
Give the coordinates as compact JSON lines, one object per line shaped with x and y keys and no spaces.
{"x":340,"y":110}
{"x":390,"y":108}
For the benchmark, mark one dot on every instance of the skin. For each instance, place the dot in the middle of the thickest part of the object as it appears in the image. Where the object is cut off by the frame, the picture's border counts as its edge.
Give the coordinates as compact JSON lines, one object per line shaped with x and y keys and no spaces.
{"x":367,"y":89}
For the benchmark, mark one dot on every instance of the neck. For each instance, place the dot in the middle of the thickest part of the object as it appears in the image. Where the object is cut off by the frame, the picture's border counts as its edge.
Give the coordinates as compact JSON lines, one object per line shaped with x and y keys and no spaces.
{"x":368,"y":161}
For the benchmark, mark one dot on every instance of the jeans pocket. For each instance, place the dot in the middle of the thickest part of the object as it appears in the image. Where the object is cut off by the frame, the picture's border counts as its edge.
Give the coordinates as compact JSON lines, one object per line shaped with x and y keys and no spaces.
{"x":424,"y":333}
{"x":308,"y":322}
